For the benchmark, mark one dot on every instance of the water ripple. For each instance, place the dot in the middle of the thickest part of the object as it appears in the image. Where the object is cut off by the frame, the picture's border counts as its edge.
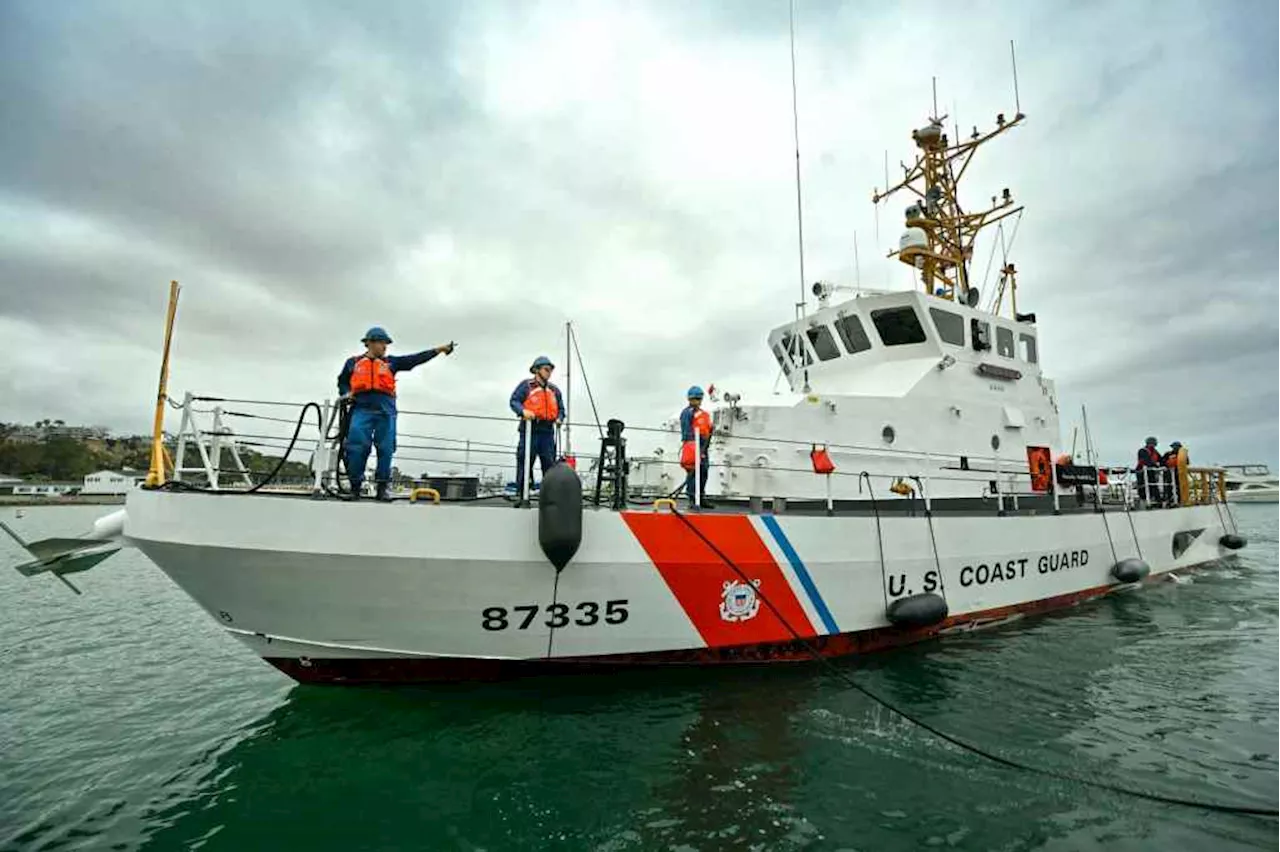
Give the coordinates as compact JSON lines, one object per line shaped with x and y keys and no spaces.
{"x":131,"y":721}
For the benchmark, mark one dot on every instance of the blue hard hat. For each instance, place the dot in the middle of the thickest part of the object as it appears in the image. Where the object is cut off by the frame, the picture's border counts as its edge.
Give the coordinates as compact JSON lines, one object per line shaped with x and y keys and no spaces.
{"x":376,"y":333}
{"x":540,"y":362}
{"x":694,"y":392}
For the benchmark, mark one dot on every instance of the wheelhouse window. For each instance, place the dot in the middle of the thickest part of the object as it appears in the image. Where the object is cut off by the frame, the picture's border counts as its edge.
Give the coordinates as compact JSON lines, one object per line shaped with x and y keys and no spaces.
{"x":1028,"y":348}
{"x":783,"y":361}
{"x":980,"y":334}
{"x":796,"y":350}
{"x":898,"y":326}
{"x":823,"y":343}
{"x":852,"y":335}
{"x":950,"y":326}
{"x":1004,"y":342}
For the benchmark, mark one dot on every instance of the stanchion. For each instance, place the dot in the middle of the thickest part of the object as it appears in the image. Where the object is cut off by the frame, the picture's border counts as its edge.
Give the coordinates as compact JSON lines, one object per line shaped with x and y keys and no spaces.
{"x":697,"y":469}
{"x":999,"y":489}
{"x":527,"y":461}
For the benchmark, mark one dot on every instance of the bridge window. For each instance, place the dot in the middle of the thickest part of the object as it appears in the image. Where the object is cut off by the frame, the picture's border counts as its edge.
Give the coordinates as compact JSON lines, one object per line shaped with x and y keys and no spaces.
{"x":782,"y":359}
{"x":950,"y":326}
{"x":823,"y":343}
{"x":898,"y":326}
{"x":980,"y":333}
{"x":1004,"y":342}
{"x":796,"y":350}
{"x":851,"y":334}
{"x":1028,"y":348}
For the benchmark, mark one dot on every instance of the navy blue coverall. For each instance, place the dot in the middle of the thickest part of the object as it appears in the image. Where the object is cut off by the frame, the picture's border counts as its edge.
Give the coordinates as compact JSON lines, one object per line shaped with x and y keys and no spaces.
{"x":687,"y":434}
{"x":373,"y":419}
{"x":1151,"y":473}
{"x":543,"y":434}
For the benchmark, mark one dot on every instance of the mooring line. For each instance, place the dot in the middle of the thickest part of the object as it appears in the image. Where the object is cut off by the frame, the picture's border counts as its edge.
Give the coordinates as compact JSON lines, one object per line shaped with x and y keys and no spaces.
{"x":956,"y":741}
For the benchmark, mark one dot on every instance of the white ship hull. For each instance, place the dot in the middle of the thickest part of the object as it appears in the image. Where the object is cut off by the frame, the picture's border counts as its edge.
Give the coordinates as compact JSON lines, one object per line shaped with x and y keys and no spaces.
{"x":334,"y":592}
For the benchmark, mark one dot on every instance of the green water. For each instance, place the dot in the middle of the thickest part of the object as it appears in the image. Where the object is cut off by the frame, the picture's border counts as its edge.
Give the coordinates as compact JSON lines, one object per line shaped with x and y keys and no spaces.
{"x":129,"y":720}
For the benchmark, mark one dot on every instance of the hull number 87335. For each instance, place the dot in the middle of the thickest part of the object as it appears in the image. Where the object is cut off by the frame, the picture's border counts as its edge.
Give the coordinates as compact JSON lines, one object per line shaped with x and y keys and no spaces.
{"x":557,"y":615}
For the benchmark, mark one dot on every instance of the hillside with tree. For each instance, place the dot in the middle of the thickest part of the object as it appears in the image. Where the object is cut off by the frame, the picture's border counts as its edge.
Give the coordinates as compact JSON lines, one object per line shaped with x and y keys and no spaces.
{"x":49,"y":451}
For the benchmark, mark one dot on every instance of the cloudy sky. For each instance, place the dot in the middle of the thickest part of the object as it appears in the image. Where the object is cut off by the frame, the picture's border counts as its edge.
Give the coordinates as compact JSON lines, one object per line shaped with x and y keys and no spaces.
{"x":485,"y":171}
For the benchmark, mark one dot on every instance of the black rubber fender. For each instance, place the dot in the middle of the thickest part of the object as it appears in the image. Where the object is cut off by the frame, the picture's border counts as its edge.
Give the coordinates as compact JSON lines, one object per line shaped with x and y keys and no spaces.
{"x":1130,"y":570}
{"x":917,"y":610}
{"x":560,"y":515}
{"x":1231,"y":541}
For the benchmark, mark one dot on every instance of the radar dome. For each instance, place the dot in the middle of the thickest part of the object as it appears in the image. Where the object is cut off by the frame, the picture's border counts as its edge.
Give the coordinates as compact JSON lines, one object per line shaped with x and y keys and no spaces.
{"x":912,"y":240}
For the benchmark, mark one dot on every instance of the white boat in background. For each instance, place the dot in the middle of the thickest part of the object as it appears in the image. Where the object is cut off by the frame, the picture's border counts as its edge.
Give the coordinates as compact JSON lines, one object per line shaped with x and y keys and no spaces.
{"x":910,"y":485}
{"x":1251,"y":483}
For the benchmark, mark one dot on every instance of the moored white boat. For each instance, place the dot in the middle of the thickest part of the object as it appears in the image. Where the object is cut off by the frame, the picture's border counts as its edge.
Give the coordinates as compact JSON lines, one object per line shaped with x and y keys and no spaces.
{"x":1251,"y":483}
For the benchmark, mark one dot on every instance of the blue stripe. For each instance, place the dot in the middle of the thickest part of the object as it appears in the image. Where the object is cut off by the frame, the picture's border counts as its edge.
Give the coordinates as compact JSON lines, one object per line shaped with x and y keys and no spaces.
{"x":803,"y":573}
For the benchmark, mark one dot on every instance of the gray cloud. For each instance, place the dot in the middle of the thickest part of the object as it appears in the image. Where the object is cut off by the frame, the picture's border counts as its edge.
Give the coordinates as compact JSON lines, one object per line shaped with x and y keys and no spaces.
{"x":484,"y":172}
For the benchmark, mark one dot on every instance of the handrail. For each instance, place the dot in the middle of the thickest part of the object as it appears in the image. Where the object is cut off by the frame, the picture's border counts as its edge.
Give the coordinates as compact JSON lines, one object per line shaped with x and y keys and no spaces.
{"x":1196,"y":483}
{"x":673,"y":429}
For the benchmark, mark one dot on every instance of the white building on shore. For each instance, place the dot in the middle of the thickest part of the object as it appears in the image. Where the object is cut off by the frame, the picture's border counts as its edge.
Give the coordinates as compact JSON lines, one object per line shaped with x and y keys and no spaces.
{"x":112,"y":482}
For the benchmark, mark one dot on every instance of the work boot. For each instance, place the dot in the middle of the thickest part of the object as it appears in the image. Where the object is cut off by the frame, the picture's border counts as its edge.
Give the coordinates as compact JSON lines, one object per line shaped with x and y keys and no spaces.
{"x":354,"y":493}
{"x":382,"y":495}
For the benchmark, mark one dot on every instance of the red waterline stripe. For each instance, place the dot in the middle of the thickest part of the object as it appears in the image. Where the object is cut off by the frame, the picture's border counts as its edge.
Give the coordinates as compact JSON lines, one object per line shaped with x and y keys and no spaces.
{"x":344,"y":670}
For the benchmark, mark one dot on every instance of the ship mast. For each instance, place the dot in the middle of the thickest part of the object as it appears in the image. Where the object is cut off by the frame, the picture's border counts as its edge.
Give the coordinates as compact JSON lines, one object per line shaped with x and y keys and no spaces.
{"x":940,"y":235}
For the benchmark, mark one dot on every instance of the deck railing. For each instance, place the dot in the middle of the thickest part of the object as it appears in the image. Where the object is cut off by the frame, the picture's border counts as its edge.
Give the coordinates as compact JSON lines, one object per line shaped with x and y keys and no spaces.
{"x":902,"y":472}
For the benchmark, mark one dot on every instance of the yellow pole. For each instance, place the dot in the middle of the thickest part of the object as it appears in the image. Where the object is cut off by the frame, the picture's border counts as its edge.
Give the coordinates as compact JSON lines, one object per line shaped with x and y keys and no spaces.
{"x":155,"y":477}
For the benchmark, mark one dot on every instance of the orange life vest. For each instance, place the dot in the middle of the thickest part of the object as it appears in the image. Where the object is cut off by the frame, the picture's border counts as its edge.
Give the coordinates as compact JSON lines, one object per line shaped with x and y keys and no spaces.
{"x":688,"y":456}
{"x":372,"y":374}
{"x":541,"y":402}
{"x":702,"y":423}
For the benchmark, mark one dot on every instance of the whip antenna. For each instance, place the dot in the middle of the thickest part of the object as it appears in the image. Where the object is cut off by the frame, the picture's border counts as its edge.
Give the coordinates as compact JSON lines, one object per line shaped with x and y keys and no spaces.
{"x":1013,"y":60}
{"x":795,"y":125}
{"x":857,"y":267}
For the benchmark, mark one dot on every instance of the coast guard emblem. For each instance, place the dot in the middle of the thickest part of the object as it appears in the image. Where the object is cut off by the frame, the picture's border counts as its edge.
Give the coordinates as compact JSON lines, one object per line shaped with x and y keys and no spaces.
{"x":740,"y":602}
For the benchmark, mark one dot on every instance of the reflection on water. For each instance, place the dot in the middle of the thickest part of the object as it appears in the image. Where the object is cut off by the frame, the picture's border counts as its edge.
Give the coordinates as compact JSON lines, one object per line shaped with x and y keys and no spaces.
{"x":133,"y":721}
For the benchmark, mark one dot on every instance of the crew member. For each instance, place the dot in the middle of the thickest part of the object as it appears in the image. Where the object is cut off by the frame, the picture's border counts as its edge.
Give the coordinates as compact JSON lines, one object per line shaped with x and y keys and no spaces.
{"x":695,"y":421}
{"x":1171,"y":460}
{"x":369,"y":382}
{"x":539,"y":402}
{"x":1150,"y":471}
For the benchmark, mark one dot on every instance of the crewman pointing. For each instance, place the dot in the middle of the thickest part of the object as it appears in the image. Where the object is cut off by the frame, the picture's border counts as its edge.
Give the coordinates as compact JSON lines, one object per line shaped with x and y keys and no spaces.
{"x":369,"y":381}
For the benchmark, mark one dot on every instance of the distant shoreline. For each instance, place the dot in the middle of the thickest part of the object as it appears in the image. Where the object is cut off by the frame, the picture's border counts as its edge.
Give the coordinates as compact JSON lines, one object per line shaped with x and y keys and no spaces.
{"x":77,"y":500}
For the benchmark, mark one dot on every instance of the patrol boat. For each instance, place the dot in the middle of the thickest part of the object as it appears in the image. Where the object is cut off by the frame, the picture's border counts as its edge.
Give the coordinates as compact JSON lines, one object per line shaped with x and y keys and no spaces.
{"x":909,"y":486}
